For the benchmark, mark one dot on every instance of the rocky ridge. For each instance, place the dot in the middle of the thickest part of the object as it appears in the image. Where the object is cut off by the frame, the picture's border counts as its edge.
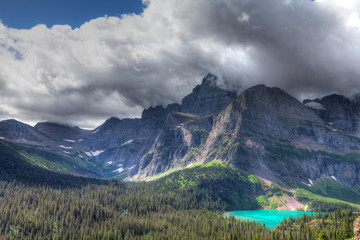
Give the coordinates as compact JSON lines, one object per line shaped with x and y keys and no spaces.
{"x":263,"y":131}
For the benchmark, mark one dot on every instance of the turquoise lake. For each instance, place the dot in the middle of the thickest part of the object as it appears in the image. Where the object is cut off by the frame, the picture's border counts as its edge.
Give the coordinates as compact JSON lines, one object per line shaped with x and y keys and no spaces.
{"x":271,"y":218}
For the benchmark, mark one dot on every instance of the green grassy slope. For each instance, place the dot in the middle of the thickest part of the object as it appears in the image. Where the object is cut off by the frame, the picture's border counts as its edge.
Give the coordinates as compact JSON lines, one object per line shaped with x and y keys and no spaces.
{"x":327,"y":187}
{"x":51,"y":159}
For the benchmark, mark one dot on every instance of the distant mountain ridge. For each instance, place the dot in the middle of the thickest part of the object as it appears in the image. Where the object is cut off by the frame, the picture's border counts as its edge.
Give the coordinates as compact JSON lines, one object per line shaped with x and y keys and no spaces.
{"x":340,"y":111}
{"x":263,"y":131}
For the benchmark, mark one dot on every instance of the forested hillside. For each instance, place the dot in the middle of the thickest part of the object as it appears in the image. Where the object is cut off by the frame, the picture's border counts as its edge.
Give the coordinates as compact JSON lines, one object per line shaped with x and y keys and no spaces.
{"x":187,"y":204}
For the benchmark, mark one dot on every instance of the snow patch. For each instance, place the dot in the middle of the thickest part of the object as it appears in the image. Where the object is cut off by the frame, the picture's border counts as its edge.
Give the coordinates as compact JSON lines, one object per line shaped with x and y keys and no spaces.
{"x":333,"y":177}
{"x":95,"y":131}
{"x":119,"y":170}
{"x":2,"y":138}
{"x":190,"y":165}
{"x":97,"y":152}
{"x":127,"y":143}
{"x":94,"y":154}
{"x":80,"y":140}
{"x":109,"y":162}
{"x":132,"y":167}
{"x":69,"y":140}
{"x":315,"y":105}
{"x":311,"y":182}
{"x":66,"y":152}
{"x":62,"y":146}
{"x":89,"y":154}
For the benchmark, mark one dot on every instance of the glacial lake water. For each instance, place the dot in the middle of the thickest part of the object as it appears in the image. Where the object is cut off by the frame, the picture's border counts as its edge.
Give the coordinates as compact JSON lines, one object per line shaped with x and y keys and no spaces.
{"x":271,"y":218}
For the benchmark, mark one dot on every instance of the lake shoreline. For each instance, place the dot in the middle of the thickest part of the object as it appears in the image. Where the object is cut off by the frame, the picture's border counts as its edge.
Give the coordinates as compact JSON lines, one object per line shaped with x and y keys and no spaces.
{"x":271,"y":218}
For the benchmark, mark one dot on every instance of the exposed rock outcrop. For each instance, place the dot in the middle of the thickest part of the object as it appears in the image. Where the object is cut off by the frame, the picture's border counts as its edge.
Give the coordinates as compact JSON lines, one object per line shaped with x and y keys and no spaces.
{"x":16,"y":131}
{"x":262,"y":127}
{"x":207,"y":98}
{"x":343,"y":113}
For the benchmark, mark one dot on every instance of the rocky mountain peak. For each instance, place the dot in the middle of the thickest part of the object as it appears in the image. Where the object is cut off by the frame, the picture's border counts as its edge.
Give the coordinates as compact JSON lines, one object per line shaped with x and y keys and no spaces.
{"x":41,"y":125}
{"x":209,"y":80}
{"x":340,"y":111}
{"x":14,"y":130}
{"x":207,"y":98}
{"x":154,"y":112}
{"x":159,"y":112}
{"x":112,"y":121}
{"x":274,"y":101}
{"x":60,"y":131}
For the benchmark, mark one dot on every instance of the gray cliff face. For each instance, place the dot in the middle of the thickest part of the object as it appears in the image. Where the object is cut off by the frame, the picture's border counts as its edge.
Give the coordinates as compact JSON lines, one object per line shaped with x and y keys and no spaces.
{"x":268,"y":127}
{"x":22,"y":133}
{"x":60,"y":131}
{"x":341,"y":112}
{"x":264,"y":128}
{"x":207,"y":98}
{"x":110,"y":134}
{"x":177,"y":145}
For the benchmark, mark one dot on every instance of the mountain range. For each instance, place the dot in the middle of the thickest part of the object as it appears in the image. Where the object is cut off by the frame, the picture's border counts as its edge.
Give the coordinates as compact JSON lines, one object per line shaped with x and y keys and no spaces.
{"x":262,"y":131}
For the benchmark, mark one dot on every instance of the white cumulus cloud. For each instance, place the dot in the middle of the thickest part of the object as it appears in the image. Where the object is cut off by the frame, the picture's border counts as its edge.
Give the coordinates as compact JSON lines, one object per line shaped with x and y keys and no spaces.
{"x":113,"y":66}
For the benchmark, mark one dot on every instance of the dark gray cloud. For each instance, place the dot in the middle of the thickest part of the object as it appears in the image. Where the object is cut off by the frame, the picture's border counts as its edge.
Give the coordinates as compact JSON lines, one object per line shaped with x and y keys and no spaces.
{"x":118,"y":66}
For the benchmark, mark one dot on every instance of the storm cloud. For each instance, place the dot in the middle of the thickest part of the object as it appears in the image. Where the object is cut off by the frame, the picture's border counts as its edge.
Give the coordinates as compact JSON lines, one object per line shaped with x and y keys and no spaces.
{"x":113,"y":66}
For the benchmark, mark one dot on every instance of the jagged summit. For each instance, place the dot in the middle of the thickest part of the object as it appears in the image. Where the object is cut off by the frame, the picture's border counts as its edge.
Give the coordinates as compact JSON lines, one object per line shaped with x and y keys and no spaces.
{"x":207,"y":98}
{"x":210,"y":79}
{"x":159,"y":112}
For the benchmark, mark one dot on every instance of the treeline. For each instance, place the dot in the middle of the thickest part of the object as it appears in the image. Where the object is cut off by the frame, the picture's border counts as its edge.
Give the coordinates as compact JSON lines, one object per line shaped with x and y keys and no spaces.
{"x":323,"y":226}
{"x":184,"y":205}
{"x":319,"y":206}
{"x":115,"y":211}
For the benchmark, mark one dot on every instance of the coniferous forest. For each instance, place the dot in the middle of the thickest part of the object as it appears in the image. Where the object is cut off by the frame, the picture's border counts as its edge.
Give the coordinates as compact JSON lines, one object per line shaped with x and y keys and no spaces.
{"x":188,"y":204}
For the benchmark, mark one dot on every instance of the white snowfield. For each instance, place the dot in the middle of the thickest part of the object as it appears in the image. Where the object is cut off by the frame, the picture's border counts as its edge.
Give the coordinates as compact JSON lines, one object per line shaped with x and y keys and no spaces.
{"x":127,"y":143}
{"x":94,"y":154}
{"x":315,"y":105}
{"x":69,"y":140}
{"x":119,"y":170}
{"x":97,"y":152}
{"x":62,"y":146}
{"x":95,"y":131}
{"x":311,"y":182}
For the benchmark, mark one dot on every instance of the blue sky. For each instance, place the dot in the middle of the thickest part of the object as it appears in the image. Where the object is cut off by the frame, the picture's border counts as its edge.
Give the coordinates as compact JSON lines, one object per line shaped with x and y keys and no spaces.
{"x":28,"y":13}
